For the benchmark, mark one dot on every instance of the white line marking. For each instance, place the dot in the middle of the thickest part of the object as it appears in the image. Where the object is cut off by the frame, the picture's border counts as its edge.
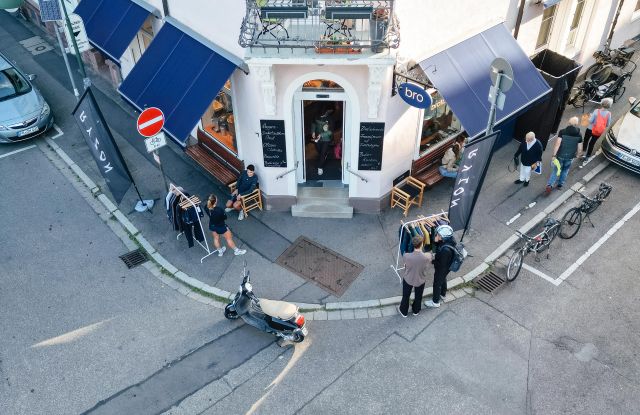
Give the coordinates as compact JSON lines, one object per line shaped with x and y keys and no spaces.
{"x":150,"y":122}
{"x":540,"y":274}
{"x":59,"y":131}
{"x":17,"y":151}
{"x":513,"y":219}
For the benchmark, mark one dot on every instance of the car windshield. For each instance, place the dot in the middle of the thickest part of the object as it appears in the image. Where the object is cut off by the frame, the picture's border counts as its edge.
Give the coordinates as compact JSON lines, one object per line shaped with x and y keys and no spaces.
{"x":636,"y":110}
{"x":12,"y":84}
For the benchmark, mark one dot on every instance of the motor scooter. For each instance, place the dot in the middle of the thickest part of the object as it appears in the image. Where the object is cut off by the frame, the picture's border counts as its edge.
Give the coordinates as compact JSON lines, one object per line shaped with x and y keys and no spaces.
{"x":277,"y":317}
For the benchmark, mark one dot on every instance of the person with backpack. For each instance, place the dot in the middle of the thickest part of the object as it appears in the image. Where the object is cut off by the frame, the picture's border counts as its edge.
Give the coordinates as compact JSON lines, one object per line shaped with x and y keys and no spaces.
{"x":568,"y":145}
{"x":599,"y":121}
{"x":445,"y":255}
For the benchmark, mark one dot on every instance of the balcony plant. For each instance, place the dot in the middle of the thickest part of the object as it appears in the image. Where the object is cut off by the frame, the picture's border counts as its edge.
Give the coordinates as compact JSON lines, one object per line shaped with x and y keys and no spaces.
{"x":335,"y":45}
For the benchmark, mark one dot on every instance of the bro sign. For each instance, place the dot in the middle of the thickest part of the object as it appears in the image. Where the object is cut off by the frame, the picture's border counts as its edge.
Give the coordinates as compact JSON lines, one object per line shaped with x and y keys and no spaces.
{"x":414,"y":95}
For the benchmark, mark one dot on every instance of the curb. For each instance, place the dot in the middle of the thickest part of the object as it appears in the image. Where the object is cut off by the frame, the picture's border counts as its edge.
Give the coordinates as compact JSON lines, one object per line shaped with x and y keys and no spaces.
{"x":162,"y":269}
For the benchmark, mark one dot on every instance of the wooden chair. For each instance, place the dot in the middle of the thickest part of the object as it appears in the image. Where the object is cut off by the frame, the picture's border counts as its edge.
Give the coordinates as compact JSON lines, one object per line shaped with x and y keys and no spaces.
{"x":406,"y":191}
{"x":251,"y":201}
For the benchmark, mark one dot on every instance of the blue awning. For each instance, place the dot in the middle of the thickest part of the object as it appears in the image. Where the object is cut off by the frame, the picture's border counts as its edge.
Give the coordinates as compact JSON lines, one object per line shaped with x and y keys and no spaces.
{"x":461,"y":75}
{"x":180,"y":73}
{"x":549,"y":3}
{"x":111,"y":25}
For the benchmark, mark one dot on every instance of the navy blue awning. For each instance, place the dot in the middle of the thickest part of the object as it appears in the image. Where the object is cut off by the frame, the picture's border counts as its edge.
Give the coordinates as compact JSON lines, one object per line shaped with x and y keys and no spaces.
{"x":461,"y":75}
{"x":180,"y":73}
{"x":111,"y":25}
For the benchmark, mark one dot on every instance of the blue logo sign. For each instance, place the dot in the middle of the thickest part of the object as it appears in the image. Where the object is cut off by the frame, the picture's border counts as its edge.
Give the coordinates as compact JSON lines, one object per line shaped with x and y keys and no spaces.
{"x":414,"y":95}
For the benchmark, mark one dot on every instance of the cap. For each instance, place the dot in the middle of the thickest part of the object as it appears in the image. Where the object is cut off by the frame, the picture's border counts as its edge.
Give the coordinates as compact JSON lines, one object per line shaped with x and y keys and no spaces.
{"x":445,"y":231}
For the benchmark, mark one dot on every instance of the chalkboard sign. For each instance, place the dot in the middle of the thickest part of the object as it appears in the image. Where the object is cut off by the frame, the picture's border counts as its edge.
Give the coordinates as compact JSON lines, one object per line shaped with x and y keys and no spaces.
{"x":274,"y":145}
{"x":370,"y":150}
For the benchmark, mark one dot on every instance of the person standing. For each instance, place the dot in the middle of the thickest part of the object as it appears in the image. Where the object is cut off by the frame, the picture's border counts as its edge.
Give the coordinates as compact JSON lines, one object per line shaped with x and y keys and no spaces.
{"x":445,"y":246}
{"x":530,"y":153}
{"x":599,"y":121}
{"x":568,"y":145}
{"x":415,"y":264}
{"x":322,"y":137}
{"x":247,"y":183}
{"x":218,"y":226}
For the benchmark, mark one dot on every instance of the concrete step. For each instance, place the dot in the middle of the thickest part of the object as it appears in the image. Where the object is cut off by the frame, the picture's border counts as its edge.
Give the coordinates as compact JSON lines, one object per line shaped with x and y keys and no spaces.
{"x":323,"y":192}
{"x":322,"y":210}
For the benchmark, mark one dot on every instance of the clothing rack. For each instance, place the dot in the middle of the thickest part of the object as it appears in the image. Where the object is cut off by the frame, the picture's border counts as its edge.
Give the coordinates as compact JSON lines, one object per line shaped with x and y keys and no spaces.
{"x":185,"y":203}
{"x":429,"y":220}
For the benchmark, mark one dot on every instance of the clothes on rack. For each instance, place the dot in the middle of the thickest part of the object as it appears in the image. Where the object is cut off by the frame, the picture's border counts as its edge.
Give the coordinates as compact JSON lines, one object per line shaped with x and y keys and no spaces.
{"x":425,"y":228}
{"x":190,"y":224}
{"x":172,"y":202}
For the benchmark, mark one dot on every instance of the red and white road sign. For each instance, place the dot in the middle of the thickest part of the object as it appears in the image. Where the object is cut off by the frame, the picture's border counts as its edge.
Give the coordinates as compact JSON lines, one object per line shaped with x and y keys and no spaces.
{"x":150,"y":122}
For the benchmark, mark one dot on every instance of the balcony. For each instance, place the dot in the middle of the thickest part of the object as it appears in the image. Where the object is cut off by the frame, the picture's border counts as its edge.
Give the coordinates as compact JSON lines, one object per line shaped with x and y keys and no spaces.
{"x":323,"y":26}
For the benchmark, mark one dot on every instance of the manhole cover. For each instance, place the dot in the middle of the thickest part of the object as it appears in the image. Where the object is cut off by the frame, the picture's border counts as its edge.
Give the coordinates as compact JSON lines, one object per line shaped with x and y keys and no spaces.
{"x":134,"y":258}
{"x":320,"y":265}
{"x":489,"y":282}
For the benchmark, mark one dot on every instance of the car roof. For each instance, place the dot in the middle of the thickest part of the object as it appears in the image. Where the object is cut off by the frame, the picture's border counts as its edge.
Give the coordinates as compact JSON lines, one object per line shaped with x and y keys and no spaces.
{"x":4,"y":64}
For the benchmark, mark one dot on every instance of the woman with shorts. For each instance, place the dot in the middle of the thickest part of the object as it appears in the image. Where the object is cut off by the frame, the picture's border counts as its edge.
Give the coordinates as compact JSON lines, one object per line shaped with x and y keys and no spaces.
{"x":218,"y":227}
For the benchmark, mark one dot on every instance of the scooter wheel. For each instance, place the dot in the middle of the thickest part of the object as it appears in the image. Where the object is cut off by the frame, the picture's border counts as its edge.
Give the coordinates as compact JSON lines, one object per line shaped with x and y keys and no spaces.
{"x":230,"y":313}
{"x":298,"y":337}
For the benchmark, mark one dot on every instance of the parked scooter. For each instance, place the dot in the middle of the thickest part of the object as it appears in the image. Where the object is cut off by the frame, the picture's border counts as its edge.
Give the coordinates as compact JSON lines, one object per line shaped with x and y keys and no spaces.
{"x":276,"y":317}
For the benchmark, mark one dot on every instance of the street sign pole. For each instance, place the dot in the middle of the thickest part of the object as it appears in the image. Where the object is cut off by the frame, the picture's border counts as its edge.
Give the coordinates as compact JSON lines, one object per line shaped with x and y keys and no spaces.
{"x":149,"y":125}
{"x":66,"y":62}
{"x":156,"y":154}
{"x":85,"y":80}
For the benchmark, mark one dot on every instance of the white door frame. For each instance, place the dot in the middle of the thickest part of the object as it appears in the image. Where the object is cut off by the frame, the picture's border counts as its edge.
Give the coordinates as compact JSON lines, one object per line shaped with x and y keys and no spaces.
{"x":298,"y":121}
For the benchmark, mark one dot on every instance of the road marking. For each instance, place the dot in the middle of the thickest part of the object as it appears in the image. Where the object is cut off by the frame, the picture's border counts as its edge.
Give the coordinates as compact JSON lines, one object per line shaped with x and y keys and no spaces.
{"x":540,"y":274}
{"x":58,"y":130}
{"x":513,"y":219}
{"x":36,"y":45}
{"x":11,"y":153}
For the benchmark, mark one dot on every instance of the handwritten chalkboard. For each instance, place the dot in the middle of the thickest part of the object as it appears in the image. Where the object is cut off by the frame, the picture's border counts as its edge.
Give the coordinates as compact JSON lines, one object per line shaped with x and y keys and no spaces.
{"x":274,"y":145}
{"x":370,"y":150}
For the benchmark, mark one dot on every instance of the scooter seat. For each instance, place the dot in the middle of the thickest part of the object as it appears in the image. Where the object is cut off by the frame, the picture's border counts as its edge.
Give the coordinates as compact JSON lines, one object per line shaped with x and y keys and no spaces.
{"x":279,"y":309}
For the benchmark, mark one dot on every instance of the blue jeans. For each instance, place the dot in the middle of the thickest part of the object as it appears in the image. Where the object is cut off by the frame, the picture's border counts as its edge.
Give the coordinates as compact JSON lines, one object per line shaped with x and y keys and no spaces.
{"x":446,"y":173}
{"x":565,"y":165}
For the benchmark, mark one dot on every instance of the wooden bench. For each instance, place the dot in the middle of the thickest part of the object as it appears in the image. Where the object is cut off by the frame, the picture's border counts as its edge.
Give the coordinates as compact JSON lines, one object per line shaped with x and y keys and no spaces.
{"x":215,"y":159}
{"x":426,"y":168}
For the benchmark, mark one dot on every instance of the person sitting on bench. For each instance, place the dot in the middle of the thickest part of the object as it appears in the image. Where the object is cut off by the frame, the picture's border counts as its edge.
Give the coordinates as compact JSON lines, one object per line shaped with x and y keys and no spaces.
{"x":247,"y":183}
{"x":449,"y":164}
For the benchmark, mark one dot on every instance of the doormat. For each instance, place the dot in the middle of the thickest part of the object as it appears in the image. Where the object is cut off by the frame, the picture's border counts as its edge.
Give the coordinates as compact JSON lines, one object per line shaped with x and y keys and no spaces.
{"x":322,"y":266}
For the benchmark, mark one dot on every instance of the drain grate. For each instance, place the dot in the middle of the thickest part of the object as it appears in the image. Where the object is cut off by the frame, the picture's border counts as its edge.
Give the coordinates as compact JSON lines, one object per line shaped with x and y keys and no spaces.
{"x":490,"y":282}
{"x":134,"y":258}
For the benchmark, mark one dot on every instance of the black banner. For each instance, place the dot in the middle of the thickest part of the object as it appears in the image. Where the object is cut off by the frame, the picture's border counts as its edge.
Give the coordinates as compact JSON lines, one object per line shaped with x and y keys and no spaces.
{"x":473,"y":166}
{"x":274,"y":145}
{"x":370,"y":149}
{"x":103,"y":148}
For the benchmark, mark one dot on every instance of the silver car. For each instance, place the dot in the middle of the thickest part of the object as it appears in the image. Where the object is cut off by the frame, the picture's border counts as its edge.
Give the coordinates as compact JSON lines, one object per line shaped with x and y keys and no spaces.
{"x":622,"y":142}
{"x":23,"y":112}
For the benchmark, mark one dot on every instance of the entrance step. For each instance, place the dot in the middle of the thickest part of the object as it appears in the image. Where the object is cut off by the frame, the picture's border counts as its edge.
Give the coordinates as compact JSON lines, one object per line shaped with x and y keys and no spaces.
{"x":317,"y":210}
{"x":322,"y":202}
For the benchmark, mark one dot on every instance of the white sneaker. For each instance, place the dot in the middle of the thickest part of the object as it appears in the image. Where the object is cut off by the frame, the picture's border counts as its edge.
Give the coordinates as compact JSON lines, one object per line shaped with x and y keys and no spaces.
{"x":241,"y":215}
{"x":400,"y":312}
{"x":431,"y":304}
{"x":227,"y":210}
{"x":237,"y":252}
{"x":221,"y":250}
{"x":320,"y":172}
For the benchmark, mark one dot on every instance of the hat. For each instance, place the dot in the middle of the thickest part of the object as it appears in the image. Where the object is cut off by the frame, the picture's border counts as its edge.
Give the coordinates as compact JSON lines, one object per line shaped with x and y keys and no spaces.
{"x":445,"y":231}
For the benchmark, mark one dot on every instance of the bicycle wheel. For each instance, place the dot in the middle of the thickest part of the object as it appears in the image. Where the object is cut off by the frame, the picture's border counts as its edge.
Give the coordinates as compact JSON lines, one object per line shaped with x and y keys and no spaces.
{"x":592,"y":69}
{"x":590,"y":206}
{"x":619,"y":93}
{"x":570,"y":223}
{"x":515,"y":264}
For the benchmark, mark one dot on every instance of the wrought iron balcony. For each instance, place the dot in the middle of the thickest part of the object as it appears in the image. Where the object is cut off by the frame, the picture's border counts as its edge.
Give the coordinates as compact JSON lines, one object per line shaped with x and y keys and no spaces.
{"x":328,"y":26}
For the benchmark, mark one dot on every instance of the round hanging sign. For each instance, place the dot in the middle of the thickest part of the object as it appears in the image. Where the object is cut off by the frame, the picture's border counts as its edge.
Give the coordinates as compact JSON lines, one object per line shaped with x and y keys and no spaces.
{"x":414,"y":95}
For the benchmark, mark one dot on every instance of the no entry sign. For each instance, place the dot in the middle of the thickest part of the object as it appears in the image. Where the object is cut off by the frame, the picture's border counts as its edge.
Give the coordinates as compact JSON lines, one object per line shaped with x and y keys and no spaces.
{"x":150,"y":122}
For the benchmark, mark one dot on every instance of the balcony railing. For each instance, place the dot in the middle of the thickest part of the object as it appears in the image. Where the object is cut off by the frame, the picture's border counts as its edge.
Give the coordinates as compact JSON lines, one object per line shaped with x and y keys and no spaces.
{"x":328,"y":26}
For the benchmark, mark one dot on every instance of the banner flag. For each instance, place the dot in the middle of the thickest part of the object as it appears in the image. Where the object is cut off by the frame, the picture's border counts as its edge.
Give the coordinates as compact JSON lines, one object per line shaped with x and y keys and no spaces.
{"x":473,"y":166}
{"x":102,"y":145}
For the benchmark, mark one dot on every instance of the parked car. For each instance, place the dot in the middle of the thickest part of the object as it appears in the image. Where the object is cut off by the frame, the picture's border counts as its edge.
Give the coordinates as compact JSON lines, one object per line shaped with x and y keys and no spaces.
{"x":24,"y":113}
{"x":622,"y":142}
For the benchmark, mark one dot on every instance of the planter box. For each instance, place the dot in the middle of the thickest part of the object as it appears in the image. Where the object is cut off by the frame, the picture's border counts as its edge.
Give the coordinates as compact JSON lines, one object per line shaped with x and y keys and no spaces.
{"x":337,"y":50}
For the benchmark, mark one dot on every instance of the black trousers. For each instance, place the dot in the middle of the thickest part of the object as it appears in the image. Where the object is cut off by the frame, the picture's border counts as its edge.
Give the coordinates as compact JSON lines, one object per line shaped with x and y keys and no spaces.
{"x":406,"y":293}
{"x":191,"y":230}
{"x":439,"y":286}
{"x":589,"y":141}
{"x":323,"y":151}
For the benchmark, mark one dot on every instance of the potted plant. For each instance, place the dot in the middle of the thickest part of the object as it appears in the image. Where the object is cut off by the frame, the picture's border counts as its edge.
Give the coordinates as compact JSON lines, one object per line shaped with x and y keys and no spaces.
{"x":335,"y":45}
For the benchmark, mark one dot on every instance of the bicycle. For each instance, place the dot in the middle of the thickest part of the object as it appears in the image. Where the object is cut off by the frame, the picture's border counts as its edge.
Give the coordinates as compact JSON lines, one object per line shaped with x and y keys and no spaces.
{"x":620,"y":57}
{"x":594,"y":90}
{"x":538,"y":243}
{"x":572,"y":219}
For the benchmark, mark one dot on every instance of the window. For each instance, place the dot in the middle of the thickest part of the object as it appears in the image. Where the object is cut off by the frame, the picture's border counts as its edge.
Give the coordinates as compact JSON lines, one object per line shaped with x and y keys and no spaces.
{"x":575,"y":23}
{"x":12,"y":84}
{"x":142,"y":41}
{"x":439,"y":124}
{"x":545,"y":28}
{"x":218,"y":120}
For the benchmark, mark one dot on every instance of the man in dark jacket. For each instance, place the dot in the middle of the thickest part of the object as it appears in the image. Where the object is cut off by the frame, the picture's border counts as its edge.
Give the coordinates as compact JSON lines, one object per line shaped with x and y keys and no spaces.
{"x":568,"y":146}
{"x":247,"y":183}
{"x":441,"y":263}
{"x":530,"y":152}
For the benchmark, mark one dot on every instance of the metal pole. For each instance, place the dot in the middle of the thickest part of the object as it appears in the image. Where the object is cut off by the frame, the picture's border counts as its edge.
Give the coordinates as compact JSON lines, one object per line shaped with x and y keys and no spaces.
{"x":66,"y":62}
{"x":494,"y":103}
{"x":85,"y":80}
{"x":164,"y":178}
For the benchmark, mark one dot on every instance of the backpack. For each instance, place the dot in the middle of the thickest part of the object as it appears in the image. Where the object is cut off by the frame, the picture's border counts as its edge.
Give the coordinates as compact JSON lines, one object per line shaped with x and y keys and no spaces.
{"x":600,"y":124}
{"x":459,"y":255}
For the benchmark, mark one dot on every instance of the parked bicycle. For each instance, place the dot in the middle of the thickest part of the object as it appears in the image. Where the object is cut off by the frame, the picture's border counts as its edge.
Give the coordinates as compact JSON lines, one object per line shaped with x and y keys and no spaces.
{"x":537,"y":244}
{"x":594,"y":90}
{"x":620,"y":57}
{"x":572,"y":220}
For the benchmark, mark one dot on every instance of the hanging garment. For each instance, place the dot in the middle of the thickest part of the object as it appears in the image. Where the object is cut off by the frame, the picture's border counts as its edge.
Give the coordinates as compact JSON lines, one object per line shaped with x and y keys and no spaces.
{"x":190,"y":224}
{"x":405,"y":241}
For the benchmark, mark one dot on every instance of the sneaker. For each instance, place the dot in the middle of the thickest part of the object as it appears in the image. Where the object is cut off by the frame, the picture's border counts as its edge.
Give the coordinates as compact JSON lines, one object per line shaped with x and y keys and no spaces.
{"x":237,"y":251}
{"x":442,"y":298}
{"x":415,"y":314}
{"x":560,"y":186}
{"x":221,"y":250}
{"x":227,"y":210}
{"x":526,"y":184}
{"x":547,"y":190}
{"x":518,"y":181}
{"x":431,"y":304}
{"x":241,"y":215}
{"x":400,"y":312}
{"x":320,"y":172}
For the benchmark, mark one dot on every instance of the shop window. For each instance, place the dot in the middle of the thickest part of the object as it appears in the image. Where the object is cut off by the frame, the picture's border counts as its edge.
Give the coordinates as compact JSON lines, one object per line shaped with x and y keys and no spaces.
{"x":142,"y":40}
{"x":575,"y":23}
{"x":439,"y":124}
{"x":218,"y":120}
{"x":545,"y":28}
